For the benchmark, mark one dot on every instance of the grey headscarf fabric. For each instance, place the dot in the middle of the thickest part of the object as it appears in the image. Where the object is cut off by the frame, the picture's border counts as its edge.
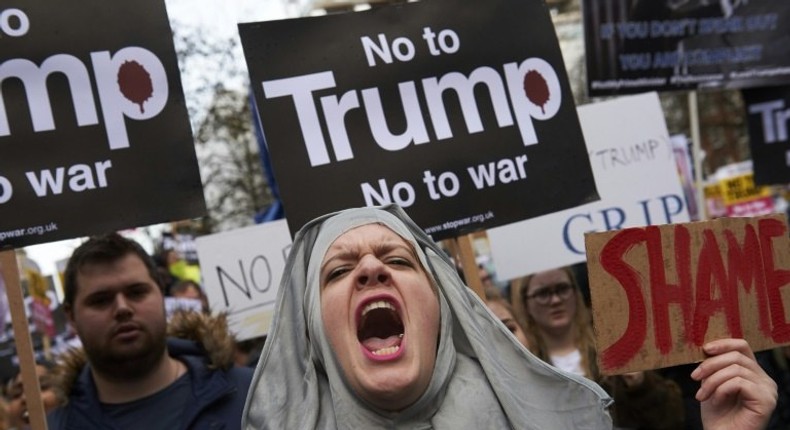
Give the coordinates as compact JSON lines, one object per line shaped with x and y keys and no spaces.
{"x":483,"y":378}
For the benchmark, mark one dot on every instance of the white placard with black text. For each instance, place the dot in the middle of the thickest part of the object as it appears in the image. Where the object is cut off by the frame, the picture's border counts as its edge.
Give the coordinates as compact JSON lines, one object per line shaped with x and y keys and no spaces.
{"x":637,"y":178}
{"x":241,"y":271}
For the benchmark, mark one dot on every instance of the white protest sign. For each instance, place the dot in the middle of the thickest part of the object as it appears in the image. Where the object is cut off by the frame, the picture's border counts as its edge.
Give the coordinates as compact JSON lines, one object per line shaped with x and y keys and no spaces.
{"x":635,"y":172}
{"x":241,"y":271}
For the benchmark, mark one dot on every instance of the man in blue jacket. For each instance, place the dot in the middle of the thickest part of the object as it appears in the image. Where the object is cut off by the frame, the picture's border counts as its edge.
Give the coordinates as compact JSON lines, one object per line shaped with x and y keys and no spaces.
{"x":131,"y":375}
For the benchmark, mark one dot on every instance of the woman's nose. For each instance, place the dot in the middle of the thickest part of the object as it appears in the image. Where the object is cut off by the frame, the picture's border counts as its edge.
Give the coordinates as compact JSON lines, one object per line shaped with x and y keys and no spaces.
{"x":372,"y":271}
{"x":555,"y":298}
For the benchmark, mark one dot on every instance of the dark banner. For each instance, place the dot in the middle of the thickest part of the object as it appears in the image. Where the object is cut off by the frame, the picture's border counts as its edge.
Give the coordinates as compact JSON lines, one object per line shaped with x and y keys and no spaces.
{"x":461,"y":114}
{"x":94,"y":132}
{"x":634,"y":46}
{"x":768,"y":116}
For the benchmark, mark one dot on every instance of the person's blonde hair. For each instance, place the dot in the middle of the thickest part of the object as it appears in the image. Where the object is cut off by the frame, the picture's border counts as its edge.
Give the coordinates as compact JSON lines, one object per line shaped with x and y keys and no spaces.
{"x":583,"y":335}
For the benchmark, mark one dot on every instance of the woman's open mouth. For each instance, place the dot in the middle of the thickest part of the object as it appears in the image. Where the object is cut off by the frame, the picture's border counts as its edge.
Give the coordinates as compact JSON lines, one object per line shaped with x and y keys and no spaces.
{"x":380,"y":330}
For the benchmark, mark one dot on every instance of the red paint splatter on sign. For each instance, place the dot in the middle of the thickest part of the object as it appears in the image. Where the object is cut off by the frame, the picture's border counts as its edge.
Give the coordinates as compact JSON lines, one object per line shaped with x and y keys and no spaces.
{"x":135,"y":83}
{"x":536,"y":89}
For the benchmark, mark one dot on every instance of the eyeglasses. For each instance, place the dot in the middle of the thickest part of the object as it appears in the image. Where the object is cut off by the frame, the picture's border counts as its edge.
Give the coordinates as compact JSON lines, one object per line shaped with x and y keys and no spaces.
{"x":543,"y":296}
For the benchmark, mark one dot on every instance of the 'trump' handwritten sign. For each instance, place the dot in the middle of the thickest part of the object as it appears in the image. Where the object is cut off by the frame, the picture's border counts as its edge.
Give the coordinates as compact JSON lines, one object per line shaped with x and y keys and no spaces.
{"x":660,"y":293}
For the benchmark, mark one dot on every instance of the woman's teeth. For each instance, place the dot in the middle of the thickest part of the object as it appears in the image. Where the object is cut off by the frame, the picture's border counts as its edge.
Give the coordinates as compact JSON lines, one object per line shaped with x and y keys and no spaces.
{"x":379,"y":304}
{"x":386,"y":351}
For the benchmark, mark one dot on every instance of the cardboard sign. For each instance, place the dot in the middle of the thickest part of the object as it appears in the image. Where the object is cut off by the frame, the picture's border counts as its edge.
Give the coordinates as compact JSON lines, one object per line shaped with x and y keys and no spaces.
{"x":94,"y":132}
{"x":241,"y":271}
{"x":635,"y":170}
{"x":768,"y":116}
{"x":660,"y":293}
{"x":649,"y":45}
{"x":464,"y":127}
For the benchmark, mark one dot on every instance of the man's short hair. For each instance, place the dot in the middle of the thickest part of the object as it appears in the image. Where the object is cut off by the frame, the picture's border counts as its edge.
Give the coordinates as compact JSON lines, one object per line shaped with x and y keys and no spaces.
{"x":104,"y":249}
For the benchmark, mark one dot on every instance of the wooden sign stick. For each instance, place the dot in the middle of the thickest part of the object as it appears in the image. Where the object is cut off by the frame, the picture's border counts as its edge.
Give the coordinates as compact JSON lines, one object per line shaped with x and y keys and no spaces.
{"x":463,"y":251}
{"x":24,"y":346}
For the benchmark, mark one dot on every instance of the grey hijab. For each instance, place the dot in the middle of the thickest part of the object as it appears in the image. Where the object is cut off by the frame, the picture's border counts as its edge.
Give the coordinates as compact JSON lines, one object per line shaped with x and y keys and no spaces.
{"x":483,"y":378}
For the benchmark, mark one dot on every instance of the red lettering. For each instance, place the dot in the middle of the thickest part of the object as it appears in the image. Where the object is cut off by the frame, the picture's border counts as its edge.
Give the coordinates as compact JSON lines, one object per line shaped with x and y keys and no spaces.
{"x":744,"y":264}
{"x":775,"y":279}
{"x":625,"y":348}
{"x":709,"y":276}
{"x":662,"y":293}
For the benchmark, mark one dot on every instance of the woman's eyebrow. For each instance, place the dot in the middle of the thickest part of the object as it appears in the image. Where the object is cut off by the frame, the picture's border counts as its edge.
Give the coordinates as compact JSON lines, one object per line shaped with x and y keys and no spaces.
{"x":343,"y":254}
{"x":380,"y":247}
{"x":389,"y":245}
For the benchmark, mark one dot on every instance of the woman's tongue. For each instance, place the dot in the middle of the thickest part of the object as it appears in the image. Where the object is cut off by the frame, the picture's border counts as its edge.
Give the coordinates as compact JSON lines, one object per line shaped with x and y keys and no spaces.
{"x":376,"y":343}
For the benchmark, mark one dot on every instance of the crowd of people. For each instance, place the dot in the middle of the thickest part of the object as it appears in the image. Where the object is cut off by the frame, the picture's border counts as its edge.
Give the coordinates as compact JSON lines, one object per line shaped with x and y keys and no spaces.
{"x":373,"y":328}
{"x":550,"y":315}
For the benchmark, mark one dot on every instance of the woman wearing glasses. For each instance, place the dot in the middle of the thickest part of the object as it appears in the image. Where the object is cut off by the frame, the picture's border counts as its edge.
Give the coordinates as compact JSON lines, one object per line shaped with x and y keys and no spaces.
{"x":559,"y":329}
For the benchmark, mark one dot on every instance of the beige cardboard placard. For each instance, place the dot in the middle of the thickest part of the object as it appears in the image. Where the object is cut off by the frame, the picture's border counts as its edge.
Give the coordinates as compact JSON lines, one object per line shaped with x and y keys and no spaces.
{"x":660,"y":293}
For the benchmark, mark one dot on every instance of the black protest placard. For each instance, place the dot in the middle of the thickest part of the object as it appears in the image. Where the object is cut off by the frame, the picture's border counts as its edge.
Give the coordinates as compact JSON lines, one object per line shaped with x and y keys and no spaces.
{"x":768,"y":119}
{"x":635,"y":46}
{"x":94,"y":132}
{"x":460,"y":113}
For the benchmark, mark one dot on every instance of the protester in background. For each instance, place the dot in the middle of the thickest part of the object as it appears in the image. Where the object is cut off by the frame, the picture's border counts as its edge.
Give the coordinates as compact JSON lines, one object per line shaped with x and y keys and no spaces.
{"x":166,"y":278}
{"x":558,"y":324}
{"x":16,"y":407}
{"x":180,"y":268}
{"x":131,"y":376}
{"x":189,"y":290}
{"x":485,"y":277}
{"x":559,"y":328}
{"x":502,"y":310}
{"x":389,"y":337}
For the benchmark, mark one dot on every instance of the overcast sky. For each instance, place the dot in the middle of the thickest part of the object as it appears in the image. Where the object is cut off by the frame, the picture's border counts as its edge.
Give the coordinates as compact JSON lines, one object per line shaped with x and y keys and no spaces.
{"x":222,"y":15}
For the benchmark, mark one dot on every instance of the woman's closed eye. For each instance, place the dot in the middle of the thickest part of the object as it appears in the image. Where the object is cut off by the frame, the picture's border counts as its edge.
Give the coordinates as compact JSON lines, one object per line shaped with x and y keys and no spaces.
{"x":400,"y":261}
{"x":335,"y":273}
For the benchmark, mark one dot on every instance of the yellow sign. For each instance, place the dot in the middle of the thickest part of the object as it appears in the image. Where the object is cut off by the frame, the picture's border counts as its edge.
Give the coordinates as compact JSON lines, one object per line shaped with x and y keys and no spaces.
{"x":739,"y":189}
{"x":37,"y":285}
